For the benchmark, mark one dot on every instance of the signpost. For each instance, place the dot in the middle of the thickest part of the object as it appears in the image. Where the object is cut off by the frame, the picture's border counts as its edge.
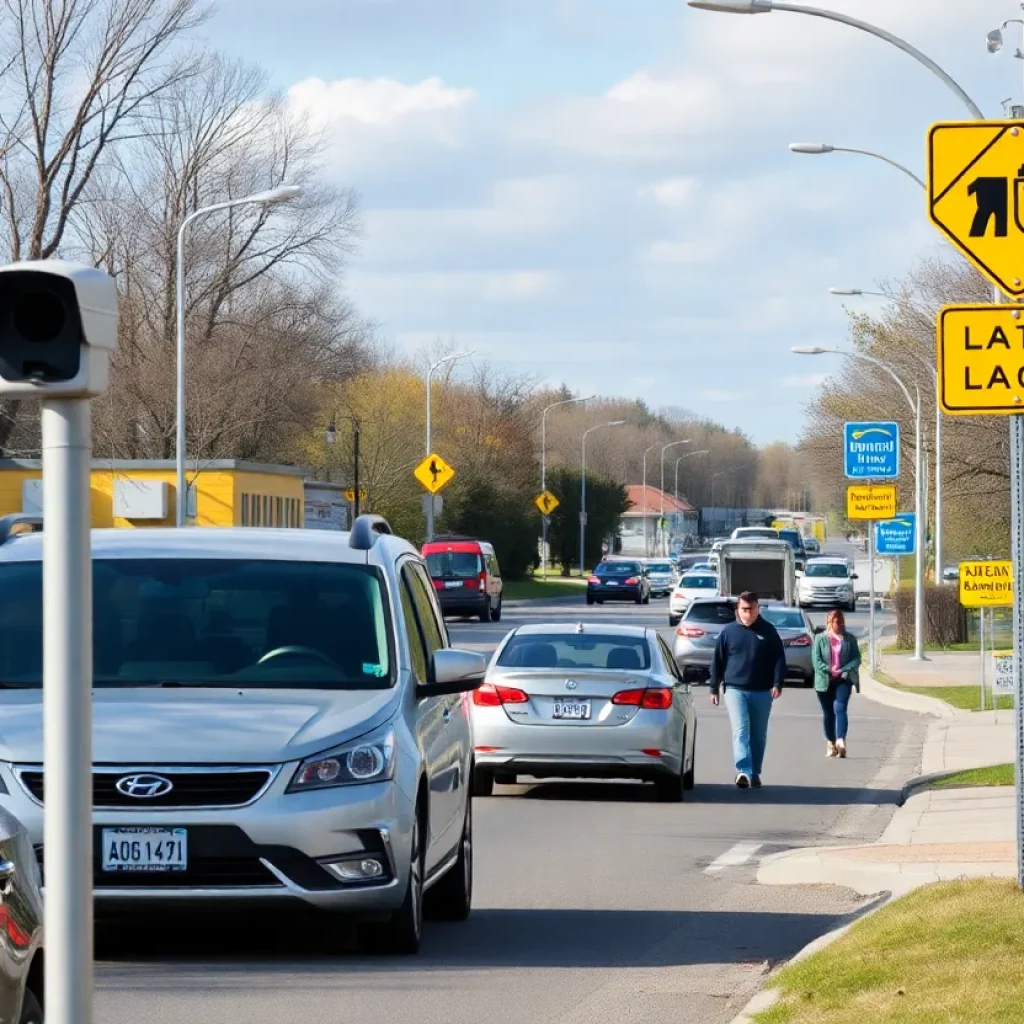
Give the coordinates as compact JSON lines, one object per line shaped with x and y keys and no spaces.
{"x":896,"y":536}
{"x":871,"y":450}
{"x":981,"y":360}
{"x":871,"y":501}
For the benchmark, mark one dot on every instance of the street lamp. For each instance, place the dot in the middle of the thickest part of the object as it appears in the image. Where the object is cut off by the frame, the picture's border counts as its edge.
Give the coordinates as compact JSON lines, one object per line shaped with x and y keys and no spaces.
{"x":855,"y":291}
{"x":430,"y":373}
{"x":714,"y":477}
{"x":815,"y":350}
{"x":647,"y":451}
{"x":544,"y":472}
{"x":330,"y":436}
{"x":282,"y":194}
{"x":688,"y":455}
{"x":660,"y":533}
{"x":820,"y":148}
{"x":583,"y":485}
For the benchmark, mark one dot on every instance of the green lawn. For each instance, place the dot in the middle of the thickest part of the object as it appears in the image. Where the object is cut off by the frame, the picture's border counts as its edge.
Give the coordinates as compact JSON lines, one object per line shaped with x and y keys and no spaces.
{"x":970,"y":645}
{"x":538,"y":589}
{"x":966,"y":698}
{"x":995,"y":775}
{"x":948,"y":953}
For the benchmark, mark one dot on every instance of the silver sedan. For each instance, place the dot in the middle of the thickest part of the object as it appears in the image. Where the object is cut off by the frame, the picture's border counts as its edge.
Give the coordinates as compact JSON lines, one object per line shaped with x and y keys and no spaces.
{"x":584,"y":701}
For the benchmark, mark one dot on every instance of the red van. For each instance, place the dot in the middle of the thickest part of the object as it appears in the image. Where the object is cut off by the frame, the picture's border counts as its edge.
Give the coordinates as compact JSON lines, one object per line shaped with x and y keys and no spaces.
{"x":466,"y":576}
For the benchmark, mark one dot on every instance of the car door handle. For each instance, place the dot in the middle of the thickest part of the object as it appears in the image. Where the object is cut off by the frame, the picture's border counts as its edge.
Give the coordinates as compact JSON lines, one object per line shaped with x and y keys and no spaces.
{"x":7,"y":871}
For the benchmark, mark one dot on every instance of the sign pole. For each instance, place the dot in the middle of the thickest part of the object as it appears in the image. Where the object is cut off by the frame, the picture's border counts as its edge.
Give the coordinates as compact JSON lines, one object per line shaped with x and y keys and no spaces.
{"x":872,"y":639}
{"x":981,"y":631}
{"x":1017,"y":524}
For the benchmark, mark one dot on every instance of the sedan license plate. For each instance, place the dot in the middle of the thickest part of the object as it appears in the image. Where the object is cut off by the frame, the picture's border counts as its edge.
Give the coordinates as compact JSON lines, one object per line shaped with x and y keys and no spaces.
{"x":145,"y":849}
{"x":453,"y":584}
{"x":577,"y":709}
{"x":611,"y":583}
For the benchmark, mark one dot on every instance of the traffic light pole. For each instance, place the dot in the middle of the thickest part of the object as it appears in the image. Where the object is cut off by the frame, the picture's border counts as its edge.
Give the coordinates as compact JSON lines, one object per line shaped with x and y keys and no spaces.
{"x":67,"y":711}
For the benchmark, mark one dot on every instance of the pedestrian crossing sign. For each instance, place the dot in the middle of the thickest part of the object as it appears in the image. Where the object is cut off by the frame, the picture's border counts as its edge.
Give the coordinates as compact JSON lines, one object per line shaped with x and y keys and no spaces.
{"x":434,"y":473}
{"x":976,"y":195}
{"x":547,"y":503}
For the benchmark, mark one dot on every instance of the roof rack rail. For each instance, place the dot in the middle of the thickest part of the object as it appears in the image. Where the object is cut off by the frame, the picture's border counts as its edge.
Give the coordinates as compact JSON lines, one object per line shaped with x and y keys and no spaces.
{"x":9,"y":523}
{"x":366,"y":530}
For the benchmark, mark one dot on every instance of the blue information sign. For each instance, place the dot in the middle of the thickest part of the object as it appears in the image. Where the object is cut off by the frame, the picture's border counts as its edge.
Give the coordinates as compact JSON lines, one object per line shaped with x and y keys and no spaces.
{"x":872,"y":450}
{"x":895,"y":536}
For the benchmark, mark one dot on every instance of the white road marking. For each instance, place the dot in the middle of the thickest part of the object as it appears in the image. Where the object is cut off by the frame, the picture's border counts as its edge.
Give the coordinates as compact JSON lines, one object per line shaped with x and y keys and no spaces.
{"x":733,"y":857}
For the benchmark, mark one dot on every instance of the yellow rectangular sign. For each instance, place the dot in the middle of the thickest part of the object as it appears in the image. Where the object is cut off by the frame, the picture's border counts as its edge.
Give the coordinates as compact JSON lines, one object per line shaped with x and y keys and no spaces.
{"x":980,"y":353}
{"x":871,"y":501}
{"x":986,"y":584}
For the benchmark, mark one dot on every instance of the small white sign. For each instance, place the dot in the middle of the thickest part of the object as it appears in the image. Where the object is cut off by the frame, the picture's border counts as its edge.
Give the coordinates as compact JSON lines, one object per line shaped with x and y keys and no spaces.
{"x":1002,"y":672}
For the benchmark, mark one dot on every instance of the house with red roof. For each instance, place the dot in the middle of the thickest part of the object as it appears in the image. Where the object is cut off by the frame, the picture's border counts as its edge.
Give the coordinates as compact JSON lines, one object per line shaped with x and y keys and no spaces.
{"x":656,"y":523}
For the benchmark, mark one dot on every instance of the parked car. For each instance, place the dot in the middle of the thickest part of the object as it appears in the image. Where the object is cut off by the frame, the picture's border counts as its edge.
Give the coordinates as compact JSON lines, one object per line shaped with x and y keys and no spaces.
{"x":794,"y":538}
{"x":697,"y":633}
{"x":951,"y":573}
{"x":797,"y":635}
{"x":661,"y":576}
{"x":691,"y":586}
{"x":828,"y":582}
{"x":21,"y":945}
{"x":466,"y":576}
{"x":574,"y":701}
{"x":618,"y":579}
{"x":278,"y":716}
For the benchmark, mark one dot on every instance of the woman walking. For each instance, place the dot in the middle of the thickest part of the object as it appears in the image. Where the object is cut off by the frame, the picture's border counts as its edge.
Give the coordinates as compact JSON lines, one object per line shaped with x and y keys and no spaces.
{"x":836,"y":661}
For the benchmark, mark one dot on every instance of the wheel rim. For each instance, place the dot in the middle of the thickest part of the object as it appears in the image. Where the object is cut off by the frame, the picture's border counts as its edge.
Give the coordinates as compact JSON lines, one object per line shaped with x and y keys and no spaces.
{"x":416,"y":878}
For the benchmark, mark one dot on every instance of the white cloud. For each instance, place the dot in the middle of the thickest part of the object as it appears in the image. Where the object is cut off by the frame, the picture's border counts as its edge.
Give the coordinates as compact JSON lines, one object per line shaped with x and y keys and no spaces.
{"x":810,"y":380}
{"x":376,"y":101}
{"x":672,"y":192}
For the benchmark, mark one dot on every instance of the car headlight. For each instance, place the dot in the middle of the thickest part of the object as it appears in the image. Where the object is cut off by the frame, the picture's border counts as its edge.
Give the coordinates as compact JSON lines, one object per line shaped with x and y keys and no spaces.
{"x":368,"y":759}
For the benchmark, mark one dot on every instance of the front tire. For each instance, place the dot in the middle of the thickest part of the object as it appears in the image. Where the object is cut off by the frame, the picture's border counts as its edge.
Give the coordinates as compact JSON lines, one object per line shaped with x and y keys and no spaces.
{"x":590,"y":599}
{"x":402,"y":934}
{"x":451,"y":899}
{"x":689,"y":776}
{"x":31,"y":1011}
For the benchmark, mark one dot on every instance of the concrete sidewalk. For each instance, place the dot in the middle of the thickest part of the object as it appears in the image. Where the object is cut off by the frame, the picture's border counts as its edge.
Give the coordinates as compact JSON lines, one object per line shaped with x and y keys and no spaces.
{"x":937,"y":833}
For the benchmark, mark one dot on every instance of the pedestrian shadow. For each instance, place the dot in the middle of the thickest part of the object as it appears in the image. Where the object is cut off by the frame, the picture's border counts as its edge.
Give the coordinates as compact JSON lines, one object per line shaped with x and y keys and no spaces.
{"x":282,"y":950}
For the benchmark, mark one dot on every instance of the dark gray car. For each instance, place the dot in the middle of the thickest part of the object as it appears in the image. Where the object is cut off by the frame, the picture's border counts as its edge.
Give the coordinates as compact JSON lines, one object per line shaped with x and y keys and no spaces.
{"x":697,"y":633}
{"x":21,"y":920}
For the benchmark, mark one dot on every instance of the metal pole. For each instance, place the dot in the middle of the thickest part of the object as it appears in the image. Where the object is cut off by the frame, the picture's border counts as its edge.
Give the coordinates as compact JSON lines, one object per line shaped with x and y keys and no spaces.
{"x":543,"y":489}
{"x":872,"y":639}
{"x":583,"y":501}
{"x":355,"y":467}
{"x":430,"y":497}
{"x":939,"y":563}
{"x":67,"y":711}
{"x":1017,"y":520}
{"x":981,"y":647}
{"x":181,"y":485}
{"x":919,"y":609}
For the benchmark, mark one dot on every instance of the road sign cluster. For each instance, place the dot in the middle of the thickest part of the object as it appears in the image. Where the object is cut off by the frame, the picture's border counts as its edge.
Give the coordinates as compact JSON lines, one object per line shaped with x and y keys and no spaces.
{"x":871,"y":452}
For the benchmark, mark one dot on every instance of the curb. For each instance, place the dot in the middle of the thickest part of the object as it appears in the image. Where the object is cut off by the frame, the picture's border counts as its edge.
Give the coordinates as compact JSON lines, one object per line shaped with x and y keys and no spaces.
{"x":922,"y":781}
{"x":525,"y":602}
{"x":904,"y":700}
{"x":766,"y":998}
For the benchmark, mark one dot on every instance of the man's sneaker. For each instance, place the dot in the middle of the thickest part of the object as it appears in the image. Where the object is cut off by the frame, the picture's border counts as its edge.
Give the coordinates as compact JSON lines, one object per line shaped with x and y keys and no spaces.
{"x":756,"y":782}
{"x":742,"y":781}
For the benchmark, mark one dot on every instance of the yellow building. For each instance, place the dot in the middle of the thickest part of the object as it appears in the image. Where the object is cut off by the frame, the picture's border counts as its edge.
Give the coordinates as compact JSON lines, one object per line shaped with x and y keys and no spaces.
{"x":224,"y":492}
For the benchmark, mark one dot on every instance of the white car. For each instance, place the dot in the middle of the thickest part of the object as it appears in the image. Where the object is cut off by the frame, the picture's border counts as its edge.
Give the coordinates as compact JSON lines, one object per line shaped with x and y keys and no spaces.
{"x":827,"y":581}
{"x":691,"y":586}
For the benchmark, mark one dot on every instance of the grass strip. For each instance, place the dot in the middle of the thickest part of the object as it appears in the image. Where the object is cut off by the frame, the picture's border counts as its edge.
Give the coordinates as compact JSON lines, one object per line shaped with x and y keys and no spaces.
{"x":538,"y":590}
{"x":993,"y":775}
{"x":966,"y":698}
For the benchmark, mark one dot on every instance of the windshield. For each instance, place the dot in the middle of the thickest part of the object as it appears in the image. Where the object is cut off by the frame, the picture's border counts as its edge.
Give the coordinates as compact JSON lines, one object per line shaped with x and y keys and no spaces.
{"x":659,"y":567}
{"x":744,"y":532}
{"x":213,"y":622}
{"x":833,"y":570}
{"x":783,"y":618}
{"x":463,"y":565}
{"x":575,"y":650}
{"x":699,"y":582}
{"x":713,"y":611}
{"x":617,"y":569}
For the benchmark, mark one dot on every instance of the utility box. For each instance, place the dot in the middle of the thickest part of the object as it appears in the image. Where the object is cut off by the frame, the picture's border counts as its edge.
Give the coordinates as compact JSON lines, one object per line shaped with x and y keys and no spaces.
{"x":140,"y":499}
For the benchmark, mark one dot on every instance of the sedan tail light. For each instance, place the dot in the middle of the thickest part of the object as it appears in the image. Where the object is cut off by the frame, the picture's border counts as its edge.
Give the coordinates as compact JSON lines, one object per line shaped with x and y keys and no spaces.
{"x":593,"y":580}
{"x":690,"y":631}
{"x":632,"y":581}
{"x":657,"y":698}
{"x":798,"y":641}
{"x":490,"y":696}
{"x":483,"y":582}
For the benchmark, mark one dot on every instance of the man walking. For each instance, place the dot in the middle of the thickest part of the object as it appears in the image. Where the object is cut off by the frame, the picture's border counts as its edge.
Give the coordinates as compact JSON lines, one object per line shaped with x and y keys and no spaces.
{"x":750,"y":666}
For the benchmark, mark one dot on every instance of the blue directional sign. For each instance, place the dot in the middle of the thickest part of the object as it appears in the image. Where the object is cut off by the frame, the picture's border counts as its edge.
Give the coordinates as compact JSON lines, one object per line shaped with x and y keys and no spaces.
{"x":872,"y":450}
{"x":896,"y":536}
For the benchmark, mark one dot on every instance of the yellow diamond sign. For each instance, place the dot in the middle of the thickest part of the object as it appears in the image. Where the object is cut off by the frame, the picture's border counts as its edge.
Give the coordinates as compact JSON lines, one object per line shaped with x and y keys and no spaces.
{"x":976,"y":195}
{"x":547,"y":503}
{"x":434,"y":473}
{"x":871,"y":501}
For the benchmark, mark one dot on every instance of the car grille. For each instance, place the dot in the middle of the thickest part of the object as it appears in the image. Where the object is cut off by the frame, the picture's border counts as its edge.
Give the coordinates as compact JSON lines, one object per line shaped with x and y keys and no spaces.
{"x":206,"y":788}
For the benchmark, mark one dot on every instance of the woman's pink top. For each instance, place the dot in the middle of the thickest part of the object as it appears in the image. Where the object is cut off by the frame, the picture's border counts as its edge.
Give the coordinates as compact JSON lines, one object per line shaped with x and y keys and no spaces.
{"x":836,"y":642}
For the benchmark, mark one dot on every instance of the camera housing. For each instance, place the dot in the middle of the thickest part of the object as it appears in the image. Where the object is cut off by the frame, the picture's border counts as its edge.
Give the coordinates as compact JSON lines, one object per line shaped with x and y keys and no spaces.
{"x":58,"y":326}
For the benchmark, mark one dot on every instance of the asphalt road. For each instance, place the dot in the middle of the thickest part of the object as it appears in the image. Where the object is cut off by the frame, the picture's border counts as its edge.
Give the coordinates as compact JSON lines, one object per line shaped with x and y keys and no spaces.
{"x":593,"y":904}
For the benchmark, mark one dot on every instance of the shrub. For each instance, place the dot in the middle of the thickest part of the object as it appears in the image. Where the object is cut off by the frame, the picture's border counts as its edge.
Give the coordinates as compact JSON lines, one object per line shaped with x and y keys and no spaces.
{"x":945,"y":621}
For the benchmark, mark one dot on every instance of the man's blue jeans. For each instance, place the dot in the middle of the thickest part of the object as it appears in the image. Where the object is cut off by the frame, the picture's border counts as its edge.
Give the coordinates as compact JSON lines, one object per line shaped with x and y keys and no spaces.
{"x":749,"y":711}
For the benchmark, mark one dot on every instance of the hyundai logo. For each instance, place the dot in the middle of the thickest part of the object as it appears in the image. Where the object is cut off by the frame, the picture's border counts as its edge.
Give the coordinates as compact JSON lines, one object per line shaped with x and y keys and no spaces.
{"x":570,"y":684}
{"x":144,"y":787}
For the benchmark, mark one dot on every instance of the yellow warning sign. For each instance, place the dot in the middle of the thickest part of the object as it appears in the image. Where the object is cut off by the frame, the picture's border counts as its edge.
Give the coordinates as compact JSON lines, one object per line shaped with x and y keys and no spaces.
{"x":434,"y":473}
{"x":546,"y":502}
{"x":981,"y":360}
{"x":986,"y":584}
{"x":976,"y":195}
{"x":871,"y":501}
{"x":350,"y":494}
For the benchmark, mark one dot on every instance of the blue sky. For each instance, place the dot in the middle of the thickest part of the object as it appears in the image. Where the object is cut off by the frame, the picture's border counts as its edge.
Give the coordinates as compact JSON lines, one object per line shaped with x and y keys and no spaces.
{"x":599,"y":192}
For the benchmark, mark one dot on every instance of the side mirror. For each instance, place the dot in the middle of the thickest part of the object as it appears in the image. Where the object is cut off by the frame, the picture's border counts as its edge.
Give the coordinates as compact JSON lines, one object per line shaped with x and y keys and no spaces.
{"x":454,"y":672}
{"x":818,"y":630}
{"x":854,"y":576}
{"x":799,"y":573}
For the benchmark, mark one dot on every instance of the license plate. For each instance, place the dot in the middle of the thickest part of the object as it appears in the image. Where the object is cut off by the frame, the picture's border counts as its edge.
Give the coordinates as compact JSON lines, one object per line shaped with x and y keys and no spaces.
{"x":145,"y":849}
{"x":453,"y":584}
{"x":578,"y":709}
{"x":611,"y":583}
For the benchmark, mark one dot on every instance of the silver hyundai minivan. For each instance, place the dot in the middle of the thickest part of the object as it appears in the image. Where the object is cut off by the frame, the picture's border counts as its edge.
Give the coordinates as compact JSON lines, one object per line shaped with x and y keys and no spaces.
{"x":278,"y":718}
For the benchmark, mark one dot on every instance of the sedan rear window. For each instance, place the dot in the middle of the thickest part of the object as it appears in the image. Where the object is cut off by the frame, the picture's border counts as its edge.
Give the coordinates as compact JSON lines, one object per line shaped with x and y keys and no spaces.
{"x":617,"y":569}
{"x":711,"y":611}
{"x":213,"y":622}
{"x":460,"y":565}
{"x":699,"y":583}
{"x":577,"y":650}
{"x":659,"y":567}
{"x":784,"y":618}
